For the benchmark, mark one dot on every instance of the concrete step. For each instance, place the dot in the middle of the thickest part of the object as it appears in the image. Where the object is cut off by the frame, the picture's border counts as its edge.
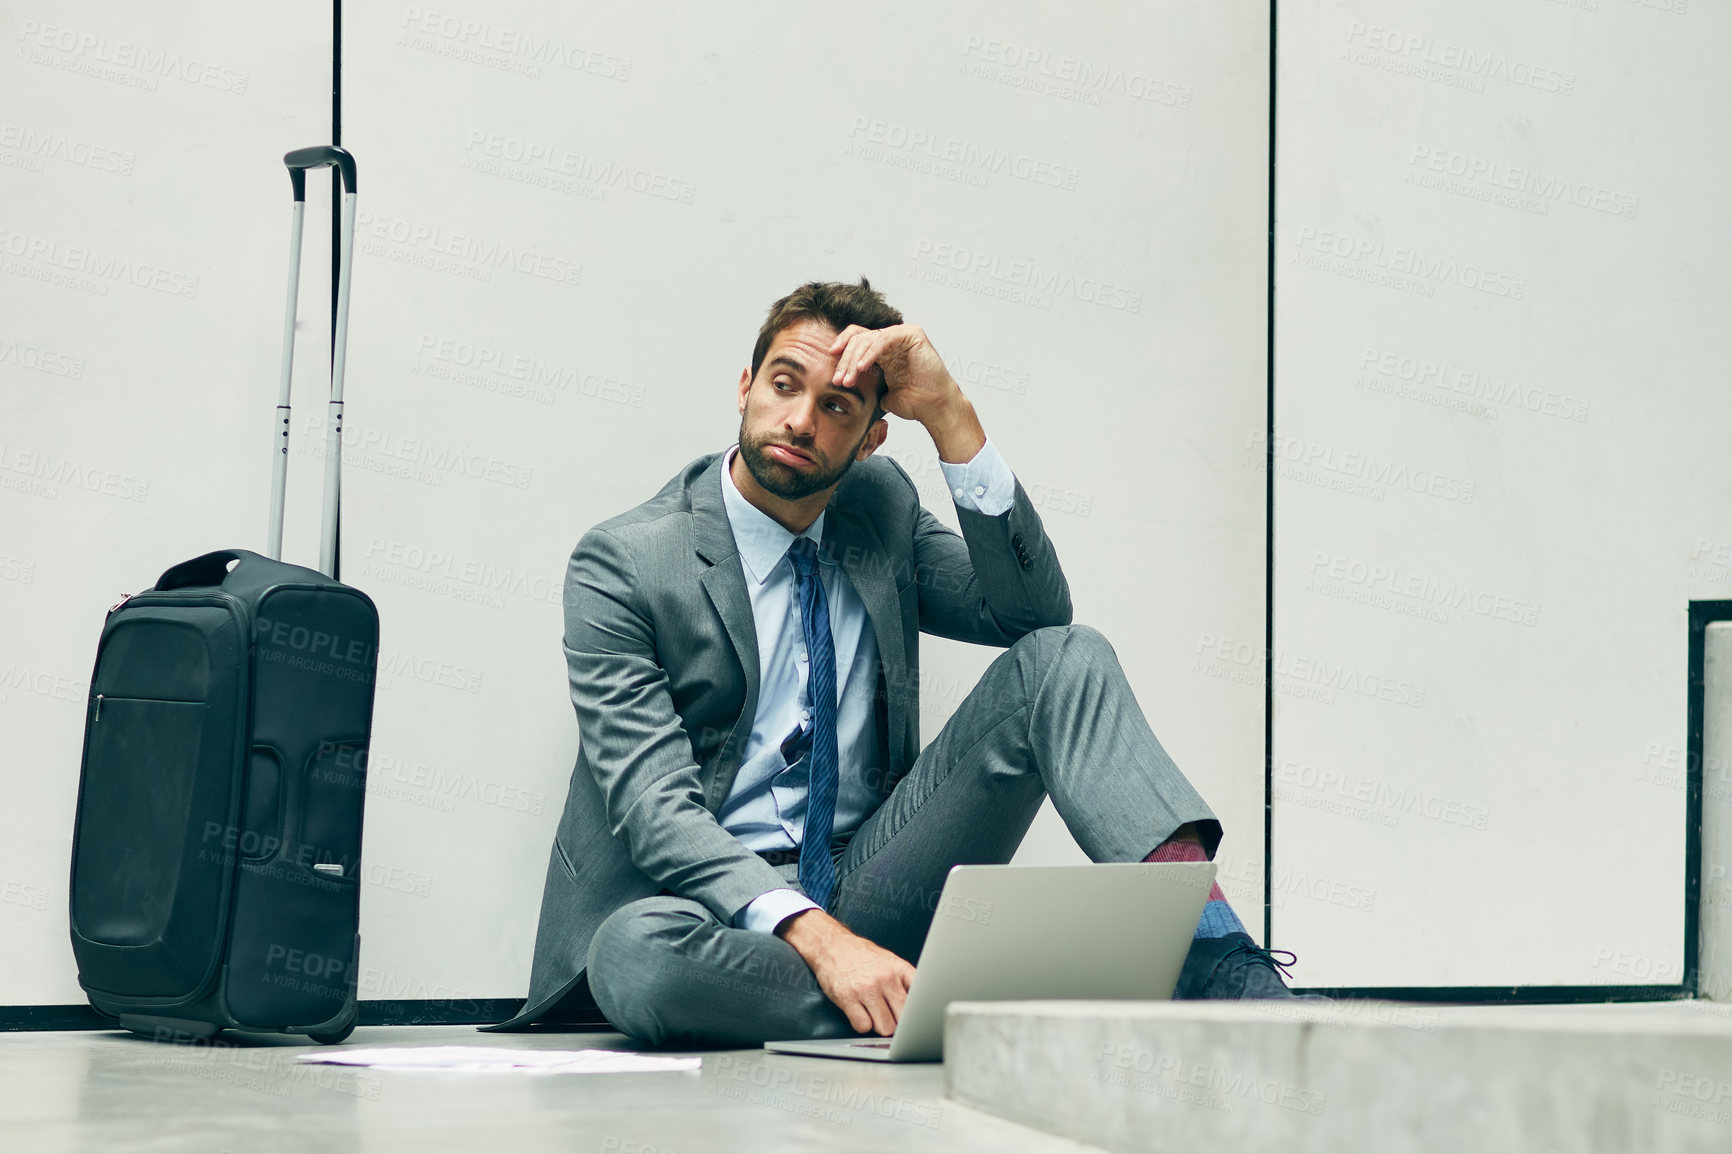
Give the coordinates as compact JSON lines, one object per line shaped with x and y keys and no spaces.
{"x":1343,"y":1077}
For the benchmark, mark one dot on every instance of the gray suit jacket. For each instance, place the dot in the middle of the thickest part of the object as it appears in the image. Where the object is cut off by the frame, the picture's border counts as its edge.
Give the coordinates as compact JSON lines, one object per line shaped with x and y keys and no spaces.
{"x":662,"y":656}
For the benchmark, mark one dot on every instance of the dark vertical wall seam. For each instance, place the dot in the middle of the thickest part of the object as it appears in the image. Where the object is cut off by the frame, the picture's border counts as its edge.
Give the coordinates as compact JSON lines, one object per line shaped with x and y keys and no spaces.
{"x":1269,"y":534}
{"x":337,"y":139}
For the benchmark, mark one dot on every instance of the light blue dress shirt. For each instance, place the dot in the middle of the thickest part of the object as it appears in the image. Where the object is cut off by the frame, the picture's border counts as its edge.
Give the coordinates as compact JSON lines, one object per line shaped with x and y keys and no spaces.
{"x":766,"y":809}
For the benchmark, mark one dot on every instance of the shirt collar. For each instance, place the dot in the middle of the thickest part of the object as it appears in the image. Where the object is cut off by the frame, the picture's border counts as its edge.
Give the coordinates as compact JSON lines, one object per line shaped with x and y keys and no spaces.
{"x":761,"y":541}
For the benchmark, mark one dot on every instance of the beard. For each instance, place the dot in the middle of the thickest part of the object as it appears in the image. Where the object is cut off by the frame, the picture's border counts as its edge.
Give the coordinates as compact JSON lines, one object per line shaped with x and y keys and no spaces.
{"x":785,"y":482}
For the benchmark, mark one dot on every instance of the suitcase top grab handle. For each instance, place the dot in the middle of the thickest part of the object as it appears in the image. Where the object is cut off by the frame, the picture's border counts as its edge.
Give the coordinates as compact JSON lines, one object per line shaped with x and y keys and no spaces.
{"x":301,"y":159}
{"x":211,"y":569}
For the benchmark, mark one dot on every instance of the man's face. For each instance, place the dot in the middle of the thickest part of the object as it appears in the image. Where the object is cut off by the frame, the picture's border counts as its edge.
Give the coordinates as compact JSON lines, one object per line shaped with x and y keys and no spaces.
{"x":799,"y":433}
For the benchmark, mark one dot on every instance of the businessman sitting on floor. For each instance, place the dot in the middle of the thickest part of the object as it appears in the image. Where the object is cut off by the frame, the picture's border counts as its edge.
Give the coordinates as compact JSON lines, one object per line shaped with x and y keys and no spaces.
{"x":753,"y":841}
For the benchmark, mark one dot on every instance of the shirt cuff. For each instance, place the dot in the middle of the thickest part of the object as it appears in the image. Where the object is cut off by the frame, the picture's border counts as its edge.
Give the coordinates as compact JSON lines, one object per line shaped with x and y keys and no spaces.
{"x":765,"y":912}
{"x":984,"y":484}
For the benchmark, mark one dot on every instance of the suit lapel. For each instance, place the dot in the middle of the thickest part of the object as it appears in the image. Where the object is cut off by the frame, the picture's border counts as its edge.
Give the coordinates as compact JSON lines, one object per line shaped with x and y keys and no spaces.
{"x":851,"y":537}
{"x":725,"y":585}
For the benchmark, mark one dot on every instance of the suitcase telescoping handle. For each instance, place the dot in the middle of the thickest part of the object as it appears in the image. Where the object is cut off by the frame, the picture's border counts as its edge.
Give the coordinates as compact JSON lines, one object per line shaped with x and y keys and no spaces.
{"x":298,"y":162}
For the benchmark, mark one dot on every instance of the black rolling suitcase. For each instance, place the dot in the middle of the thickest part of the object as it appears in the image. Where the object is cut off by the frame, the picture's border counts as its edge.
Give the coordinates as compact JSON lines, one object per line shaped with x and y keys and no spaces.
{"x":216,"y":852}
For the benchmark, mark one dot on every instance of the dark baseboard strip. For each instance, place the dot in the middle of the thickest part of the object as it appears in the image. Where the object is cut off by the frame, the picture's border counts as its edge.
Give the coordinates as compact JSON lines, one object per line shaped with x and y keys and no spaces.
{"x":439,"y":1011}
{"x":417,"y":1012}
{"x":1505,"y":995}
{"x":53,"y":1018}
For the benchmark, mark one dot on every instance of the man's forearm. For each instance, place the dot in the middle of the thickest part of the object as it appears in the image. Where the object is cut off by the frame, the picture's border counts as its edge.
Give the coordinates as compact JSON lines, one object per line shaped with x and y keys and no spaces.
{"x":867,"y":982}
{"x":804,"y":933}
{"x":956,"y":431}
{"x":1004,"y":564}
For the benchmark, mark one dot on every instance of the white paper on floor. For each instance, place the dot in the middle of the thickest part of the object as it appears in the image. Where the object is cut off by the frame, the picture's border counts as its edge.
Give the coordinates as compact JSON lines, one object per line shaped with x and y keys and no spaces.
{"x":493,"y":1059}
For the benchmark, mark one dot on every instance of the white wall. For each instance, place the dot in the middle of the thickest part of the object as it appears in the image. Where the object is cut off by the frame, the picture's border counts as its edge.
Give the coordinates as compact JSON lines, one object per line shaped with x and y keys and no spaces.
{"x":1501,"y":232}
{"x":574,"y":222}
{"x":1116,"y":164}
{"x":1492,"y":393}
{"x":143,"y":225}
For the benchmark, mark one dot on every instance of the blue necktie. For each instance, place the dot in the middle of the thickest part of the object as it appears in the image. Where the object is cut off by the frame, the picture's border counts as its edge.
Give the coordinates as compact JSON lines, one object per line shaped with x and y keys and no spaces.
{"x":817,"y":871}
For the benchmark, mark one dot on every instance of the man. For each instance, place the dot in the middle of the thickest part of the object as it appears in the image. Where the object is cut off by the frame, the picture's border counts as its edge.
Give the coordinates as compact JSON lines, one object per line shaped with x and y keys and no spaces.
{"x":754,"y":842}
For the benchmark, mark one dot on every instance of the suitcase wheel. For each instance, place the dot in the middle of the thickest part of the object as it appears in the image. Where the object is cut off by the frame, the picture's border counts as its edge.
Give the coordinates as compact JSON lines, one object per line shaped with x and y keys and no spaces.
{"x":174,"y":1030}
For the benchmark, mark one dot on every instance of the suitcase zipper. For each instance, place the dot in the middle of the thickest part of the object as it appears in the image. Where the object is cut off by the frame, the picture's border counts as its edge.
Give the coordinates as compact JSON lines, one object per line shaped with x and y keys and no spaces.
{"x":97,"y":716}
{"x":124,"y":598}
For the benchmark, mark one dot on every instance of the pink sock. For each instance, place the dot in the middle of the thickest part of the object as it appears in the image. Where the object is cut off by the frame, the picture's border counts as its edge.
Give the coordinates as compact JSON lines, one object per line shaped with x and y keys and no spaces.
{"x":1185,"y":851}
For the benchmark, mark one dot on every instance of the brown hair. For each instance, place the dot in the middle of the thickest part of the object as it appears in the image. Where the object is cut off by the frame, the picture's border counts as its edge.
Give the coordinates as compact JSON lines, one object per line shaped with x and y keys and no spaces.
{"x":832,"y":302}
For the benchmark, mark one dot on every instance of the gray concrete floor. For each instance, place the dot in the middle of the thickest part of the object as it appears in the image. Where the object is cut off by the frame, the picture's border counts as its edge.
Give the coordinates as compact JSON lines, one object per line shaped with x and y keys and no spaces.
{"x":113,"y":1093}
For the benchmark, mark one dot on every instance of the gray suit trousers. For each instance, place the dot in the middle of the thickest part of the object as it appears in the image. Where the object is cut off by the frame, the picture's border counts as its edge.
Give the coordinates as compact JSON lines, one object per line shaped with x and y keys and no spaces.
{"x":1052,"y":716}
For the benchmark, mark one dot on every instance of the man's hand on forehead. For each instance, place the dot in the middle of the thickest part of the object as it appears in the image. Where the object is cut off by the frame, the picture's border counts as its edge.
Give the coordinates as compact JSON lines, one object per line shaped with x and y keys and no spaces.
{"x":917,"y":386}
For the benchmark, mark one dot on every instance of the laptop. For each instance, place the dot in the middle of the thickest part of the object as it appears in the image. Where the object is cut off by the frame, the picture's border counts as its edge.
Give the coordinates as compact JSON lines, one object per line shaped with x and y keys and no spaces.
{"x":1009,"y":933}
